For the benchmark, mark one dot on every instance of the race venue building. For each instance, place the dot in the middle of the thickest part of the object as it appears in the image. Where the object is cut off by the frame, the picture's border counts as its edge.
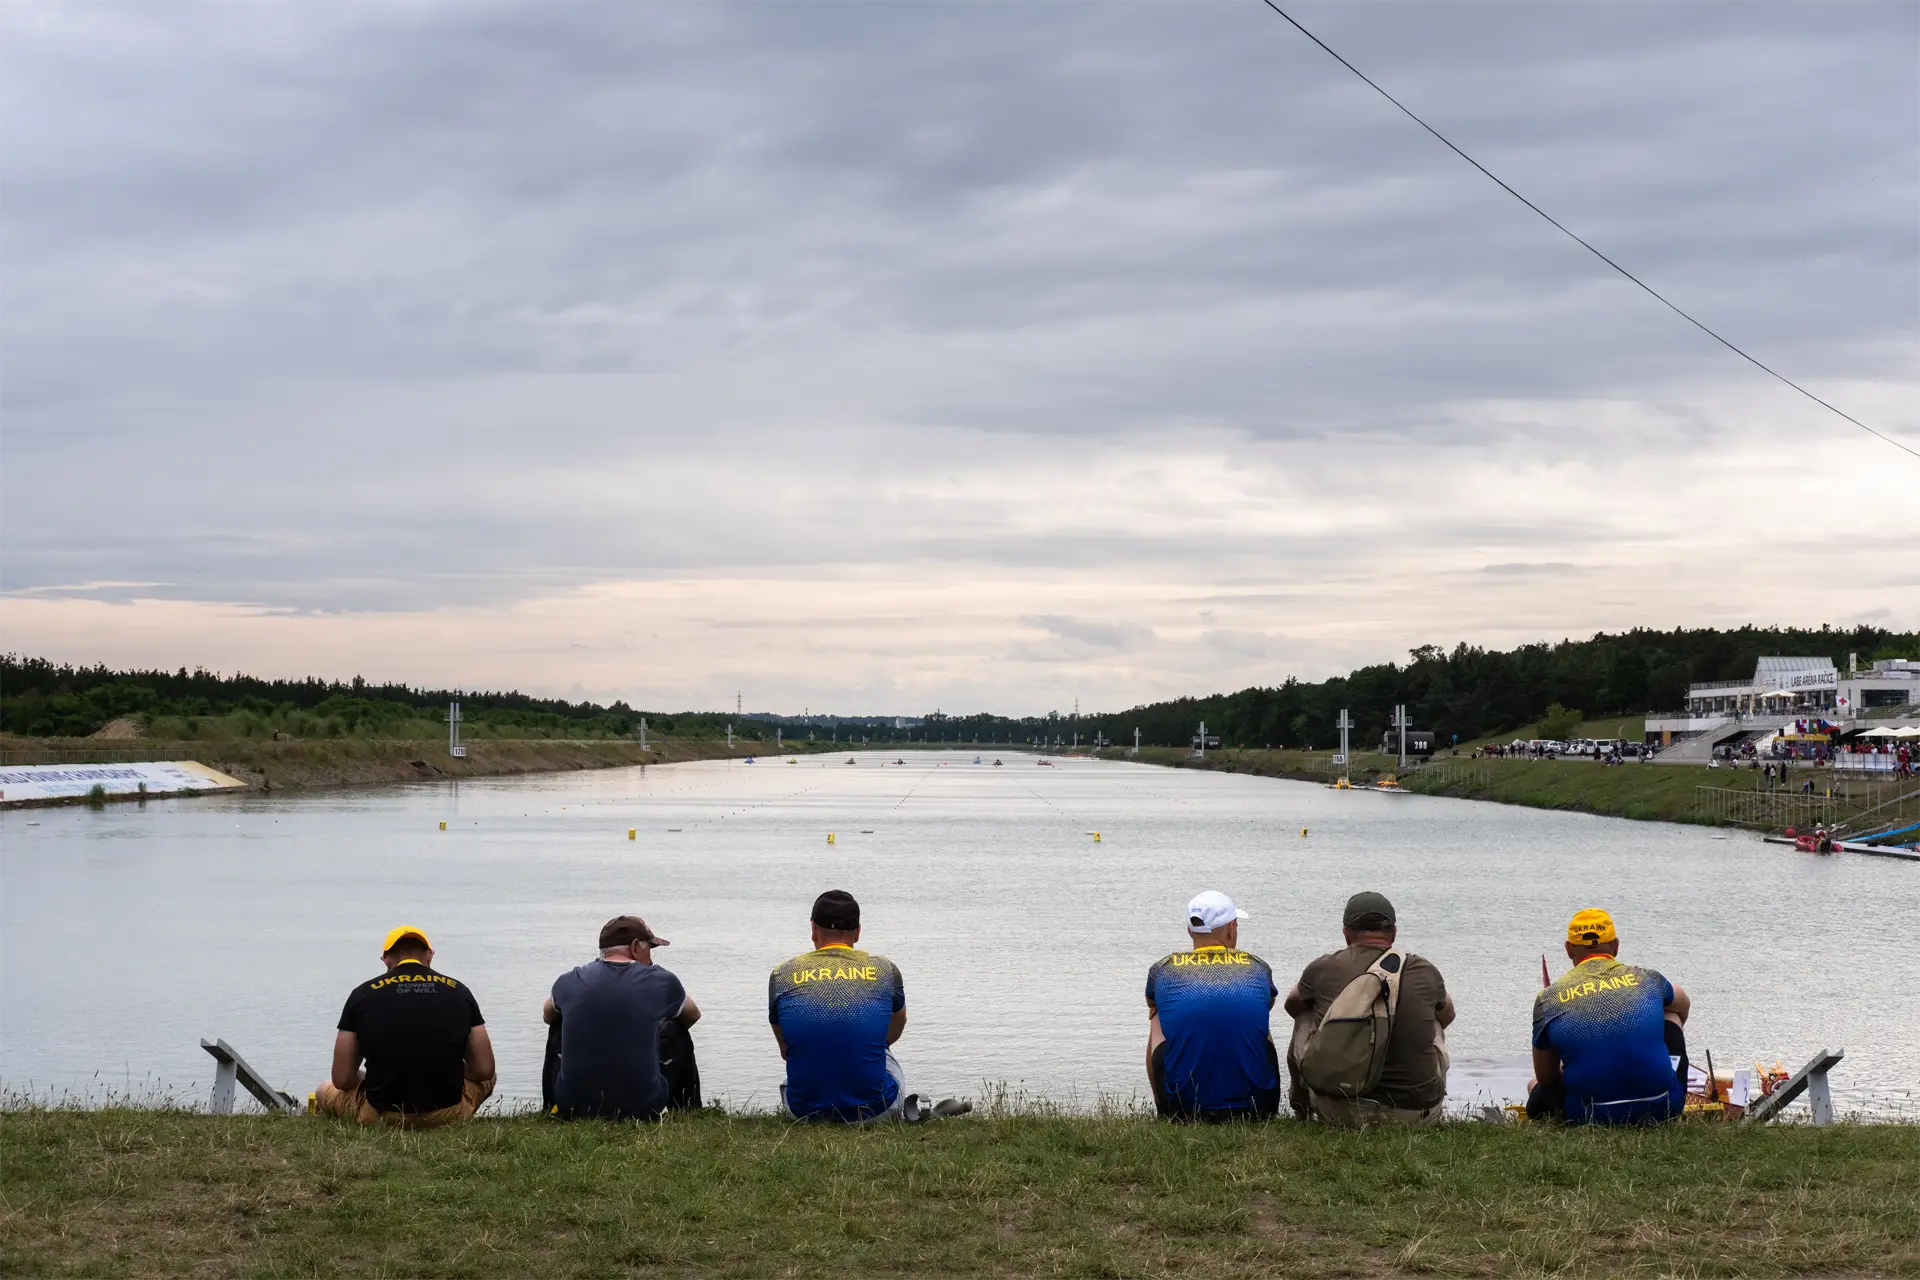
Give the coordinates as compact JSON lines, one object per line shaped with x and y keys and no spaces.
{"x":1789,"y":688}
{"x":1799,"y":685}
{"x":1778,"y":684}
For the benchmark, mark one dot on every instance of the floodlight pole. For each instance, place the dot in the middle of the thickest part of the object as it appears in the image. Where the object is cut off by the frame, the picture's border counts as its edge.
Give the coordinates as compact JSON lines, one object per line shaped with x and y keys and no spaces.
{"x":1345,"y":723}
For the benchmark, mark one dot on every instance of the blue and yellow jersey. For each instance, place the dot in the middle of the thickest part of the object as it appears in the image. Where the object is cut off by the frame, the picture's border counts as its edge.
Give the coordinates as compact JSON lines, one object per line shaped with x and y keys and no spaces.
{"x":1606,"y":1020}
{"x":832,"y":1007}
{"x":1213,"y":1006}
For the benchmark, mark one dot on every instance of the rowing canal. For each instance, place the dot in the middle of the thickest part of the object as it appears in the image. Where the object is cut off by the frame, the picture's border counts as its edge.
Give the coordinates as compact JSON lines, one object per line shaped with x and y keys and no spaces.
{"x":133,"y":931}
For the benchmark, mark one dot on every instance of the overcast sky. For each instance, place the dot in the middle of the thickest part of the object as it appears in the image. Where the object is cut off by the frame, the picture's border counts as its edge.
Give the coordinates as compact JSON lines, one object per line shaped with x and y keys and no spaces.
{"x":878,"y":358}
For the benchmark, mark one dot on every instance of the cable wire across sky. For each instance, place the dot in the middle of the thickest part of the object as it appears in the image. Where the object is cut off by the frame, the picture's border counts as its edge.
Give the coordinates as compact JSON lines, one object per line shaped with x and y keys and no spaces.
{"x":1651,"y":291}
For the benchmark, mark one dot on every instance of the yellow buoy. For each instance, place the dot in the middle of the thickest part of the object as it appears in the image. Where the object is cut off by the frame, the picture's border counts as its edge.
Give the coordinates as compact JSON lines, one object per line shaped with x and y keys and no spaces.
{"x":829,"y":837}
{"x":1303,"y":831}
{"x":630,"y":831}
{"x":443,"y":826}
{"x":1096,"y":837}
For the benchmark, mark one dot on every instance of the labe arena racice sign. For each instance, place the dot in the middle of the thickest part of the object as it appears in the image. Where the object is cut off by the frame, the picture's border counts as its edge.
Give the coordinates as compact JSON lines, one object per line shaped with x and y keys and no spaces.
{"x":25,"y":783}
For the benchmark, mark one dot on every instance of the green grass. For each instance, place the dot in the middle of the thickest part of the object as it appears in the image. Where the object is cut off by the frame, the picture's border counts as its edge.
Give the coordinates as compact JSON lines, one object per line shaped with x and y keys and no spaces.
{"x":160,"y":1193}
{"x":1657,"y":792}
{"x":1661,"y":792}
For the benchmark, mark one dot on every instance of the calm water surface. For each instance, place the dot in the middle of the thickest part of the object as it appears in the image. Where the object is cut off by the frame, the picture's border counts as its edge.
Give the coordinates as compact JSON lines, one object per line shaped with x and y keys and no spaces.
{"x":132,"y":932}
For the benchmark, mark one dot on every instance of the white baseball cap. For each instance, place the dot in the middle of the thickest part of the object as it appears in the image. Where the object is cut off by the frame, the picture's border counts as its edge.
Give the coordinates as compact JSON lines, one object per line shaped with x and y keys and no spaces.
{"x":1211,"y":910}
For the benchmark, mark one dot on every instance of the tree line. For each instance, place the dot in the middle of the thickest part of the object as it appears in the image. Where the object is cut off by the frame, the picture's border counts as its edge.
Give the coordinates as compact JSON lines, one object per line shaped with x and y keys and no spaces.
{"x":1470,"y":691}
{"x":39,"y":698}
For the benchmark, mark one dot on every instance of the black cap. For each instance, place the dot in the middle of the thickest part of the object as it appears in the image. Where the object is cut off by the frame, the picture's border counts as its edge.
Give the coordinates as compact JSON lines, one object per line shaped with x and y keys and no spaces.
{"x":1368,"y":911}
{"x":835,"y":909}
{"x":624,"y":930}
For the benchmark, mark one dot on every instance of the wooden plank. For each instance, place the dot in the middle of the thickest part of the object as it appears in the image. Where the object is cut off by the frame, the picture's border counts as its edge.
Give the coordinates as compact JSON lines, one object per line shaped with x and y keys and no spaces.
{"x":233,"y":1068}
{"x":1812,"y":1076}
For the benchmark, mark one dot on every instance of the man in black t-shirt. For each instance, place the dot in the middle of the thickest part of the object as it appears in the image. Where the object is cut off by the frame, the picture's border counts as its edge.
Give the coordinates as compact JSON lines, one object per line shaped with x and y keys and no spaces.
{"x":428,"y":1059}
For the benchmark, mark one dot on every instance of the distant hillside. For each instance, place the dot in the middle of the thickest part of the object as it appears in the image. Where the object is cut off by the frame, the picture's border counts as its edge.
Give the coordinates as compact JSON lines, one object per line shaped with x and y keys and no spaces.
{"x":41,"y":699}
{"x":1470,"y":691}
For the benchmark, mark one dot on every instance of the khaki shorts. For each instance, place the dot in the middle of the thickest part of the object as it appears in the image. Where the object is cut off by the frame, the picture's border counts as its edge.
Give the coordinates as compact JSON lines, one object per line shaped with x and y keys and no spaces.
{"x":353,"y":1105}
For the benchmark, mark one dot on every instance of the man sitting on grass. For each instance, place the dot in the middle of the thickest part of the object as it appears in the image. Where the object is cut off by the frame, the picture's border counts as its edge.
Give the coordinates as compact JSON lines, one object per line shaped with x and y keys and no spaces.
{"x":428,"y":1059}
{"x":1209,"y":1053}
{"x":621,"y":1023}
{"x":1412,"y":1087}
{"x":1607,"y":1041}
{"x":835,"y":1011}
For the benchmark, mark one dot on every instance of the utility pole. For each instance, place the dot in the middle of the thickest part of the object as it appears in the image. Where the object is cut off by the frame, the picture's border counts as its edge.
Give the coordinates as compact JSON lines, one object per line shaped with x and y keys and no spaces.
{"x":1203,"y":739}
{"x":1344,"y":724}
{"x":1136,"y":740}
{"x":1400,"y":722}
{"x":729,"y":736}
{"x":643,"y":733}
{"x":454,"y":748}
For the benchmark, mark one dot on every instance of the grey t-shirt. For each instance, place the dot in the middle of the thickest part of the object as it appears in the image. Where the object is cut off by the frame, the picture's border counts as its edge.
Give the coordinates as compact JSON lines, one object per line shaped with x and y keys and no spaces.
{"x":1413,"y":1077}
{"x":610,"y":1038}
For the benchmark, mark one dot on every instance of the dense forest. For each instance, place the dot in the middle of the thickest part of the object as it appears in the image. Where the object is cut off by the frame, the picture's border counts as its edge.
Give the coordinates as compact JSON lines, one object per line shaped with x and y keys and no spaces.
{"x":41,"y":699}
{"x":1470,"y":692}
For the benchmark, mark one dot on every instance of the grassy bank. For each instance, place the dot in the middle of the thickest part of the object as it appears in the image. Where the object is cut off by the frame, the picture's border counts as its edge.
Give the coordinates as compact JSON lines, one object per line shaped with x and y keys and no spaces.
{"x":147,"y":1193}
{"x":305,"y":763}
{"x":1664,"y":793}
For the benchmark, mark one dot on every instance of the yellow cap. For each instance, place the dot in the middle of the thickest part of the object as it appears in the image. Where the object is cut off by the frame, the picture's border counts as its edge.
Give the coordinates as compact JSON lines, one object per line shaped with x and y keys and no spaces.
{"x":394,"y":935}
{"x":1591,"y":928}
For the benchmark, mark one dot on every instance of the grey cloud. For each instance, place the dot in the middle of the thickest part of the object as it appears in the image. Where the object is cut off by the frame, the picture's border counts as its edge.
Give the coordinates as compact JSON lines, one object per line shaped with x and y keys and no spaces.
{"x":364,"y":306}
{"x":1115,"y":637}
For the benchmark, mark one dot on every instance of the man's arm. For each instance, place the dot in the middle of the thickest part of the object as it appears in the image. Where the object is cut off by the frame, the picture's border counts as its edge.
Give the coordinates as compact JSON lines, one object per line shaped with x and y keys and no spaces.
{"x":1155,"y":1038}
{"x":480,"y":1064}
{"x":346,"y":1061}
{"x":1446,"y":1015}
{"x":1679,"y":1007}
{"x":780,"y":1040}
{"x":896,"y":1025}
{"x":549,"y":1014}
{"x":689,"y":1013}
{"x":1546,"y":1066}
{"x":1295,"y":1004}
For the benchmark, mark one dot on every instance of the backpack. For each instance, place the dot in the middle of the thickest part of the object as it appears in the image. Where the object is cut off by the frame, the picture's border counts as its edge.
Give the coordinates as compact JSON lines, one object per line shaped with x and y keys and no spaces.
{"x":1346,"y":1054}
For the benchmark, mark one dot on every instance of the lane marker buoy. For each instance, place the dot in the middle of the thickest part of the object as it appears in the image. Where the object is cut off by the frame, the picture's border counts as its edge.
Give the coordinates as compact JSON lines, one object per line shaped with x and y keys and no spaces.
{"x":630,"y":833}
{"x":443,"y":826}
{"x":829,"y":837}
{"x":1303,"y":831}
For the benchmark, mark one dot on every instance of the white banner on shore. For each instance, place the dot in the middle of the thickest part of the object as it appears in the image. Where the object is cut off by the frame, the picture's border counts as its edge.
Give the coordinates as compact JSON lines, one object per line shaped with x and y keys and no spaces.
{"x":27,"y":783}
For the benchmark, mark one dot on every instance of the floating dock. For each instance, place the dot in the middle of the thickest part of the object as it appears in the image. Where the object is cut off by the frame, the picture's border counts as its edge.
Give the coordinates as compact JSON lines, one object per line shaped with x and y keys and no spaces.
{"x":25,"y":785}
